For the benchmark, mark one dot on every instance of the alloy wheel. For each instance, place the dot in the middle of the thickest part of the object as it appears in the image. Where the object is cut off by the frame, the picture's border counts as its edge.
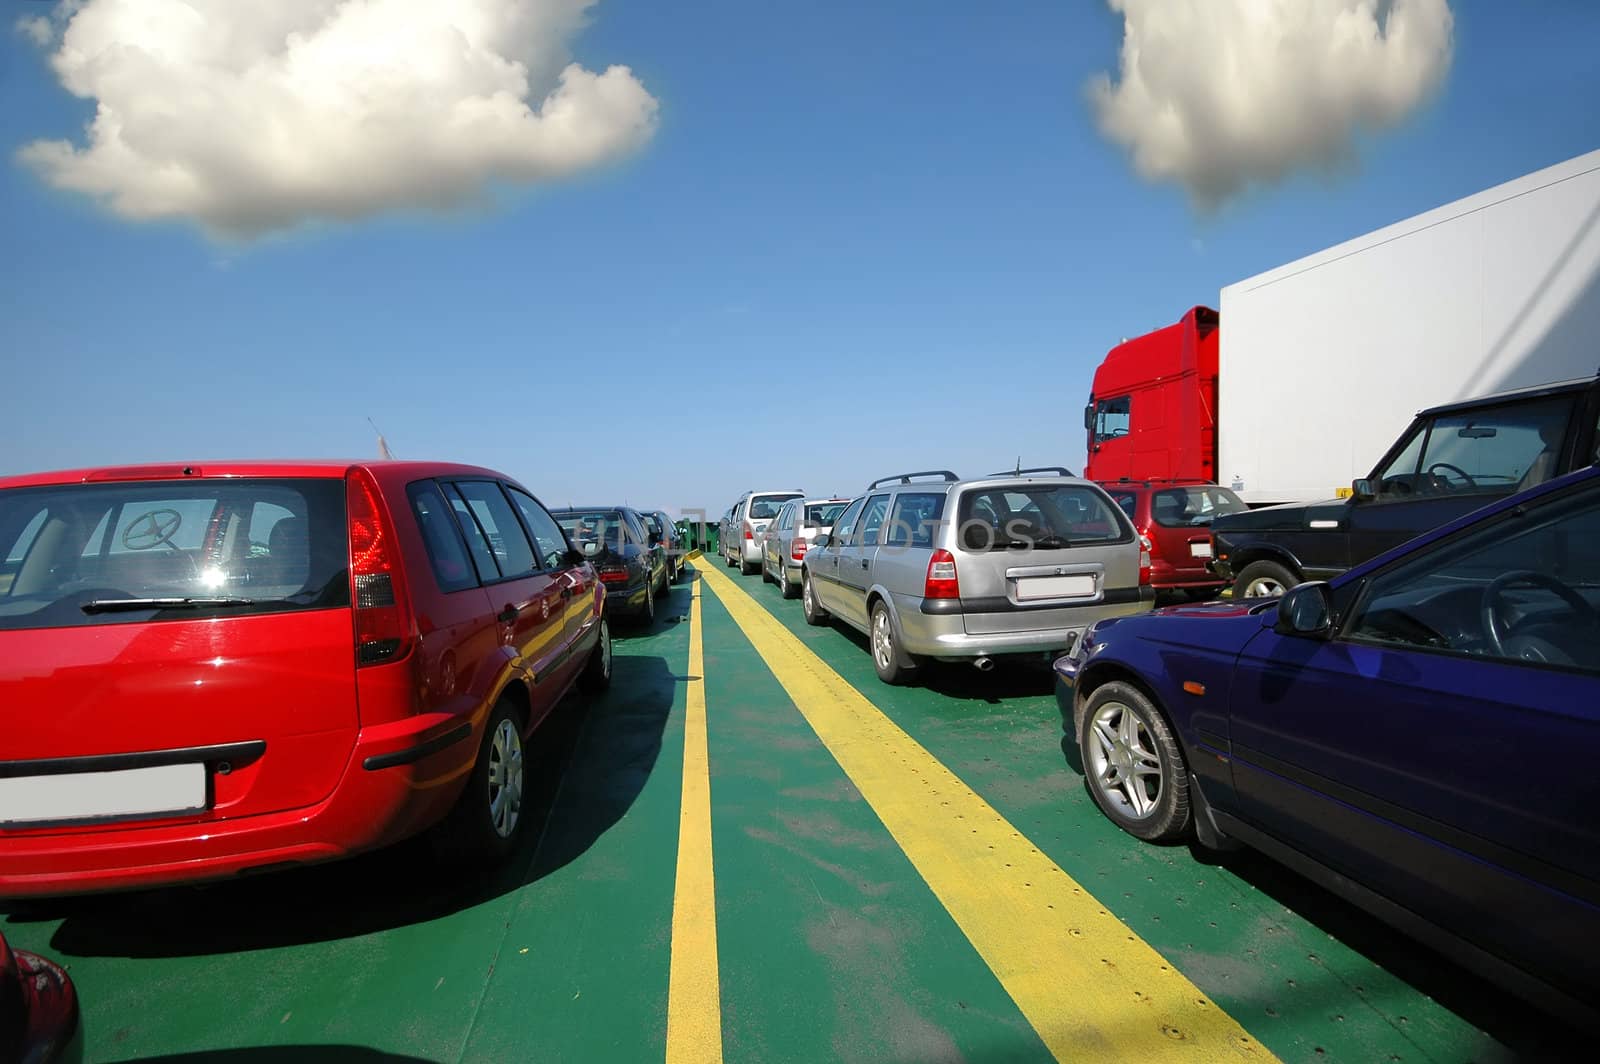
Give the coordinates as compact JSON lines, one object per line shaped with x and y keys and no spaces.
{"x":1125,"y":760}
{"x":505,"y":778}
{"x":882,"y":640}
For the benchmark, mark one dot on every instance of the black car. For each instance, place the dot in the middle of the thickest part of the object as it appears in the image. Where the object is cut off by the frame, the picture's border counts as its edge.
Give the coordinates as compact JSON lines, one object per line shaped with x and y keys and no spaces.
{"x":672,"y":542}
{"x":1452,"y":460}
{"x":631,"y":560}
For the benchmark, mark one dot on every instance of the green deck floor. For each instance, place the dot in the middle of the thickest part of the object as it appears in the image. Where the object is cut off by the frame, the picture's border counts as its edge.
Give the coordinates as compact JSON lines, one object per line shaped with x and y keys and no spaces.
{"x":830,"y":945}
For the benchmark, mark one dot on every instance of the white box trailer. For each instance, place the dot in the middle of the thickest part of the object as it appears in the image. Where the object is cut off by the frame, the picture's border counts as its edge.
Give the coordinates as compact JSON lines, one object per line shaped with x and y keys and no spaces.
{"x":1323,"y":361}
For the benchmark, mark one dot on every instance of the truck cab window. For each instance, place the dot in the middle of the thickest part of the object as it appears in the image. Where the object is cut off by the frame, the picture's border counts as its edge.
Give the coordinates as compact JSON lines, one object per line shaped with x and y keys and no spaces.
{"x":1111,"y":418}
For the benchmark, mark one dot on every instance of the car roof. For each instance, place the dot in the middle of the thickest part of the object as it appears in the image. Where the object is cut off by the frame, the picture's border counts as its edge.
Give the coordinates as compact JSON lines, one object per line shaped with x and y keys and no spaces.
{"x":253,"y":467}
{"x":1537,"y":391}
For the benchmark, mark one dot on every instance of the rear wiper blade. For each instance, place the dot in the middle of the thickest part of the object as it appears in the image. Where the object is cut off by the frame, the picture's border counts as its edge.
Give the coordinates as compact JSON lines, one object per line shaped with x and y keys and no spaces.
{"x":1052,"y":542}
{"x":118,"y":605}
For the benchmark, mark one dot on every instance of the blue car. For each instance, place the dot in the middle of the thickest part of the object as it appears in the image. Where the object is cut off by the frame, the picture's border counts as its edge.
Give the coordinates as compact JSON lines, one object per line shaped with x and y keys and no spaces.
{"x":1420,"y":735}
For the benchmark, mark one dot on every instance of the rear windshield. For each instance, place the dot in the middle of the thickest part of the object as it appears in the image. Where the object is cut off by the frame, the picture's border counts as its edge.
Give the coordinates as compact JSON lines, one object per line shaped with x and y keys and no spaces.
{"x":766,"y":507}
{"x":592,"y":531}
{"x":143,"y":551}
{"x":1039,"y":516}
{"x":1188,"y":507}
{"x":823,"y":515}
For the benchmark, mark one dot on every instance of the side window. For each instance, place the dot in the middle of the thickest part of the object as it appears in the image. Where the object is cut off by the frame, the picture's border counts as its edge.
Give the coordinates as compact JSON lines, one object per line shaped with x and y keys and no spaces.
{"x":871,"y":521}
{"x":915,"y":519}
{"x":447,"y":555}
{"x":1494,"y":451}
{"x":786,"y":516}
{"x":512,"y":551}
{"x":1112,"y":418}
{"x":847,"y":523}
{"x":477,"y":539}
{"x":547,"y":535}
{"x":1524,"y":588}
{"x":1128,"y":503}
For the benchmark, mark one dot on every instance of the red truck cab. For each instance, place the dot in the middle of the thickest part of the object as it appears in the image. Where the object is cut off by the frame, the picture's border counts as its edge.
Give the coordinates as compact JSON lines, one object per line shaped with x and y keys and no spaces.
{"x":1153,"y":412}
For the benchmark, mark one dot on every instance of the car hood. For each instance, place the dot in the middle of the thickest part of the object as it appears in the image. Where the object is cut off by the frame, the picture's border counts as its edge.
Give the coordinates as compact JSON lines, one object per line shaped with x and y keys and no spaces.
{"x":1222,"y":626}
{"x":1292,"y":515}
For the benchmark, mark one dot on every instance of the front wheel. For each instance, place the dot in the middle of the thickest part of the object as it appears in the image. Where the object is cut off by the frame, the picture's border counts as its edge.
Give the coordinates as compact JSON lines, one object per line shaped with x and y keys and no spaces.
{"x":814,"y":613}
{"x":596,"y":675}
{"x":1263,"y":579}
{"x":1134,"y":764}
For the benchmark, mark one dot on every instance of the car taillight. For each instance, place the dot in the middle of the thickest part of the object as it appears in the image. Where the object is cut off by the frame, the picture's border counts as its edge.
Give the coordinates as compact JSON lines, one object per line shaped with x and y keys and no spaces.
{"x":613,"y":576}
{"x":747,"y":533}
{"x":798,"y":551}
{"x":1146,"y":549}
{"x":942,"y":582}
{"x":377,"y":581}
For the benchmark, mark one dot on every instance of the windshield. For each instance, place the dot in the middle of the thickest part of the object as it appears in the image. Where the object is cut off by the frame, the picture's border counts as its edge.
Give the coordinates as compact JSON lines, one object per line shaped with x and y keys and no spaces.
{"x":106,"y":553}
{"x":1192,"y":506}
{"x":766,"y":507}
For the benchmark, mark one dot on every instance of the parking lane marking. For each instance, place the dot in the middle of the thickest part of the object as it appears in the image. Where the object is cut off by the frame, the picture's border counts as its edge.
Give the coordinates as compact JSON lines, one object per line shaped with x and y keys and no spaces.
{"x":694,"y":989}
{"x":1091,"y":988}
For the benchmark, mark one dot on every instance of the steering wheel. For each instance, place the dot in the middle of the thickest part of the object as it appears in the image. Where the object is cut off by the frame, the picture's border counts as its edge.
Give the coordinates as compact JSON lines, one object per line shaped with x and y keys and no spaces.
{"x":1454,"y":469}
{"x":1498,"y":586}
{"x":151,"y":530}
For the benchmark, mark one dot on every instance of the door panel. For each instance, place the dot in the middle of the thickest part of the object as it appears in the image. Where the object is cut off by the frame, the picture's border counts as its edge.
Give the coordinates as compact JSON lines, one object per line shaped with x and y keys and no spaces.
{"x":856,"y":559}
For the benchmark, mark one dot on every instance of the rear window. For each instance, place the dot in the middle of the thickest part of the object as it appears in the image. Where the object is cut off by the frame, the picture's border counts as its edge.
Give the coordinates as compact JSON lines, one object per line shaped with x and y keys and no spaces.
{"x":1194,"y":506}
{"x":594,"y":531}
{"x":1039,"y":516}
{"x":766,"y":507}
{"x":823,"y":515}
{"x":143,"y":551}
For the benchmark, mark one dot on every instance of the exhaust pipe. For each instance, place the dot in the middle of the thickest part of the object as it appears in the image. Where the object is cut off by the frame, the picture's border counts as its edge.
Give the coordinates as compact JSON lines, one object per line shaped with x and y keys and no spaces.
{"x":983,"y":664}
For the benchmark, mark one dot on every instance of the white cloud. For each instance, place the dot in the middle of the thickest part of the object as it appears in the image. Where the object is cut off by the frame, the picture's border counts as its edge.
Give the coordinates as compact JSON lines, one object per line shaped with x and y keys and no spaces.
{"x":1219,"y":95}
{"x":37,"y":29}
{"x":248,"y":117}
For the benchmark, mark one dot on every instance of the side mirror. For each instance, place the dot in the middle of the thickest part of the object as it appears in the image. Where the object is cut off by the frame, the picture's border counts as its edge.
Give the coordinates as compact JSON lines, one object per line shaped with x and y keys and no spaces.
{"x":821,"y":541}
{"x":1306,"y":610}
{"x":1363,"y":490}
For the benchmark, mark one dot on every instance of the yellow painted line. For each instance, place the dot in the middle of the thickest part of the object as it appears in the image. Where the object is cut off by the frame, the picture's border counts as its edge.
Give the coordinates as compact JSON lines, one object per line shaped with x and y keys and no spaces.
{"x":1091,"y":987}
{"x":694,"y":990}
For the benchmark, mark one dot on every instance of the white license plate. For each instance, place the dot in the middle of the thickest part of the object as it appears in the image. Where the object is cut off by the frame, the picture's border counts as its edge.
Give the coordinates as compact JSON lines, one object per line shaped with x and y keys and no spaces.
{"x":1049,"y":587}
{"x":130,"y":792}
{"x":1199,"y":550}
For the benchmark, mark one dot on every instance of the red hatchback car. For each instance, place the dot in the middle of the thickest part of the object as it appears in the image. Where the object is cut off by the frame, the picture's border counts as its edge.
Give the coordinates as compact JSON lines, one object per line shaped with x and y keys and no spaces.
{"x":1176,"y":518}
{"x":234,"y":667}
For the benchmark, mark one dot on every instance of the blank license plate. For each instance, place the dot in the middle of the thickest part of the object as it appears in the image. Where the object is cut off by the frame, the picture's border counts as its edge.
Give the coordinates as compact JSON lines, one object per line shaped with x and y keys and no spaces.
{"x":1049,"y":587}
{"x":1200,"y":550}
{"x":162,"y":790}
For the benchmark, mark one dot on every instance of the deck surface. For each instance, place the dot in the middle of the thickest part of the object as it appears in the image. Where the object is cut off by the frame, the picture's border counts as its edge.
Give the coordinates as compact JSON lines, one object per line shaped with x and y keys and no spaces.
{"x":749,"y":849}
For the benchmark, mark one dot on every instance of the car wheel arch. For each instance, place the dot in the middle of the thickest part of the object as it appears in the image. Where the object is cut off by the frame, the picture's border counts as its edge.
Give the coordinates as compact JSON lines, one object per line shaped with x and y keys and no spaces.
{"x":1097,"y":675}
{"x":876,"y":594}
{"x":1266,"y":553}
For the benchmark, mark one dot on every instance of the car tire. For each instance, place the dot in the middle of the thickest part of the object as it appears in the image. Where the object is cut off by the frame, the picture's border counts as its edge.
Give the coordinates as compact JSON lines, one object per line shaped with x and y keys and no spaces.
{"x":784,"y":585}
{"x":885,"y":647}
{"x":647,"y":617}
{"x":814,"y":613}
{"x":1126,"y":743}
{"x":1263,"y":579}
{"x":596,"y":675}
{"x":666,"y":581}
{"x":745,"y":568}
{"x":480,"y":830}
{"x":729,"y":559}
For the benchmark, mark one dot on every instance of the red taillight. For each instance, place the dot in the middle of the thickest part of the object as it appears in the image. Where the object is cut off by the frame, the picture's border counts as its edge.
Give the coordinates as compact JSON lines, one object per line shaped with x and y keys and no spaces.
{"x":798,"y":551}
{"x":613,"y":576}
{"x":377,"y":581}
{"x":942,"y":582}
{"x":1146,"y":549}
{"x":747,"y":533}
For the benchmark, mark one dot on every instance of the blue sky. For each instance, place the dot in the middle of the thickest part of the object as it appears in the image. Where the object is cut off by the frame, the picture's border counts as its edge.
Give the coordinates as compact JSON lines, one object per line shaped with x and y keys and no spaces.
{"x":863,"y":238}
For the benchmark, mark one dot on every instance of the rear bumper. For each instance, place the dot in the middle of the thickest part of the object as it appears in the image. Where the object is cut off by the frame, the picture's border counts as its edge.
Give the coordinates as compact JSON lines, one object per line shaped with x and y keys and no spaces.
{"x":944,"y":635}
{"x":633,"y":599}
{"x":419,"y":766}
{"x":750,"y":551}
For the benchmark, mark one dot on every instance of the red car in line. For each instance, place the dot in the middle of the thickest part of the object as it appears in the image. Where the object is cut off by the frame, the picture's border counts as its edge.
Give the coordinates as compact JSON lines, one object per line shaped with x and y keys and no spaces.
{"x":229,"y":667}
{"x":1176,"y":516}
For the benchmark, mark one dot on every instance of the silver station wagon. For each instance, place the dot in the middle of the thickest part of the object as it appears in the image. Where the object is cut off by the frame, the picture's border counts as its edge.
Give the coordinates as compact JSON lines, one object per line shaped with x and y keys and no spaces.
{"x":930,"y":566}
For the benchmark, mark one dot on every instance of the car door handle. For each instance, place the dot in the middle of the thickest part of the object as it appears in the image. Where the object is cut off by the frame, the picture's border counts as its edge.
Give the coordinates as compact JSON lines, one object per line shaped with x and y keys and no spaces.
{"x":507,"y":615}
{"x":866,"y":563}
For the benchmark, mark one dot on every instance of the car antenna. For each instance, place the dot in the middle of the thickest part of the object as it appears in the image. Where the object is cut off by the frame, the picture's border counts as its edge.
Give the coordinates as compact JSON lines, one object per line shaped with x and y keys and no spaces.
{"x":383,"y":444}
{"x":1019,"y":466}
